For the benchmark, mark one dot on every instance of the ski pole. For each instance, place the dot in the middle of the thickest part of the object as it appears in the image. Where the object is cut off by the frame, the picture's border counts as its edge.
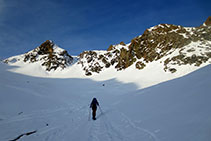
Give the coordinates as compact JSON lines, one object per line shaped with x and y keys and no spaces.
{"x":100,"y":109}
{"x":89,"y":114}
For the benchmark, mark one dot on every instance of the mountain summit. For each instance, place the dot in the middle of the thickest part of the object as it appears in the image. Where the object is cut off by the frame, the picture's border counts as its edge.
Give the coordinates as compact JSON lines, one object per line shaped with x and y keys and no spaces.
{"x":48,"y":55}
{"x":208,"y":21}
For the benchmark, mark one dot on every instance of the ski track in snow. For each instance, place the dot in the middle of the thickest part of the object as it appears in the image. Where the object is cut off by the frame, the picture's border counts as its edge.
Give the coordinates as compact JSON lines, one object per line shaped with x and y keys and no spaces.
{"x":102,"y":128}
{"x":65,"y":123}
{"x":69,"y":118}
{"x":131,"y":123}
{"x":110,"y":129}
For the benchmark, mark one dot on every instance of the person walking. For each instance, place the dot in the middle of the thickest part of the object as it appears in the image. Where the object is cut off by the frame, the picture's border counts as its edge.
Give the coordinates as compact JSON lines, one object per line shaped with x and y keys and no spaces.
{"x":94,"y":105}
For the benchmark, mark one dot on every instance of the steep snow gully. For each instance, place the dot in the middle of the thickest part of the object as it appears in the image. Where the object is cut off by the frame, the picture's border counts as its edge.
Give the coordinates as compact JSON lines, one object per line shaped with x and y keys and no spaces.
{"x":54,"y":109}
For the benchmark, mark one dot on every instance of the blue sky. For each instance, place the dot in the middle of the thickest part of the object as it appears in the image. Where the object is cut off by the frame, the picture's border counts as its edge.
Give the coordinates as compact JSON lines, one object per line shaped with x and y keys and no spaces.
{"x":78,"y":25}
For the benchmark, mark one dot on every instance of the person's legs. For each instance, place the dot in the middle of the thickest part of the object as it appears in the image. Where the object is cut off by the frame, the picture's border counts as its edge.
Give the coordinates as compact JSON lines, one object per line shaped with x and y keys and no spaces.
{"x":94,"y":113}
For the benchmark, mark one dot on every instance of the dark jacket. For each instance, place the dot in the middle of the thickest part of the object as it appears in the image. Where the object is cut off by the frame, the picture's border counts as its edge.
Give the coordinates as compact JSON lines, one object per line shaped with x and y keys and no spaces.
{"x":94,"y":104}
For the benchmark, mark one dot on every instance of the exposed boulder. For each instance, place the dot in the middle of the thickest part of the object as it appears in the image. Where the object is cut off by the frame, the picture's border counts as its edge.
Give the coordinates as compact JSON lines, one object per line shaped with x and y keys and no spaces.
{"x":140,"y":65}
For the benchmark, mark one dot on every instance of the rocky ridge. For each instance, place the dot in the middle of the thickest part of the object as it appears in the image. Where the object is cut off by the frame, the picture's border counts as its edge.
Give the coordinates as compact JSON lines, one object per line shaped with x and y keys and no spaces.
{"x":170,"y":44}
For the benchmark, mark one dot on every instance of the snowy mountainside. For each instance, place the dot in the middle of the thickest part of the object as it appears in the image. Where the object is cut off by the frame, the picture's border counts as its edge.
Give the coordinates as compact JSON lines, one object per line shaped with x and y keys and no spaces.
{"x":171,"y":45}
{"x":48,"y":55}
{"x":52,"y":109}
{"x":161,"y":53}
{"x":130,"y":81}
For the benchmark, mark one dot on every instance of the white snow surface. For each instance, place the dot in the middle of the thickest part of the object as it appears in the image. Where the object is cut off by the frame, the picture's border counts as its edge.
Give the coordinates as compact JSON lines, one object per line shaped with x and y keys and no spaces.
{"x":147,"y":105}
{"x":135,"y":105}
{"x":152,"y":74}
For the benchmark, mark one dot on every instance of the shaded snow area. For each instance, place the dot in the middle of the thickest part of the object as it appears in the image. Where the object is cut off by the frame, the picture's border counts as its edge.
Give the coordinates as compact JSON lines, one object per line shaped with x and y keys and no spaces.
{"x":57,"y":109}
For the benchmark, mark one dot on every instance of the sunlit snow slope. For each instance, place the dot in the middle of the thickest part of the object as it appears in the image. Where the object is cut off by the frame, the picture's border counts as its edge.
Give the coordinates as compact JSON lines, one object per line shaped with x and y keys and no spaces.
{"x":57,"y":109}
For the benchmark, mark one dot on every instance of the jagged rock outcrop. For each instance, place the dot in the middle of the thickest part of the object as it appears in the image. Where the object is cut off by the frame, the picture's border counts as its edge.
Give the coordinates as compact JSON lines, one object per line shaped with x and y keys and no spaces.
{"x":156,"y":43}
{"x":48,"y":55}
{"x":164,"y":39}
{"x":96,"y":61}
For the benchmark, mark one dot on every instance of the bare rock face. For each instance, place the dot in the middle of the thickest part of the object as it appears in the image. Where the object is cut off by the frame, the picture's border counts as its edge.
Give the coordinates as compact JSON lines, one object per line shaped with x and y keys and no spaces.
{"x":45,"y":48}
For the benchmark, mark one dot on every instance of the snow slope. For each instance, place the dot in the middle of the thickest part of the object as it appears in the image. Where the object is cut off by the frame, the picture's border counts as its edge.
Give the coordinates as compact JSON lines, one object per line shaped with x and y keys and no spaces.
{"x":153,"y":73}
{"x":57,"y":109}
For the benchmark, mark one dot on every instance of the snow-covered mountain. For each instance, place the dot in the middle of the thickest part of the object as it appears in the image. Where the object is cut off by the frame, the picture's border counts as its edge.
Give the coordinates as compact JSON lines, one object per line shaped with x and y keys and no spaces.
{"x":170,"y":45}
{"x":45,"y":93}
{"x":162,"y":52}
{"x":48,"y":55}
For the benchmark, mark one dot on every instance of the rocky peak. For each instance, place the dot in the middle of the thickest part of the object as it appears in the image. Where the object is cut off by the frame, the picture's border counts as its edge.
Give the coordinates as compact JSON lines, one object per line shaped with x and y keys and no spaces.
{"x":46,"y":48}
{"x":49,"y":55}
{"x":208,"y":21}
